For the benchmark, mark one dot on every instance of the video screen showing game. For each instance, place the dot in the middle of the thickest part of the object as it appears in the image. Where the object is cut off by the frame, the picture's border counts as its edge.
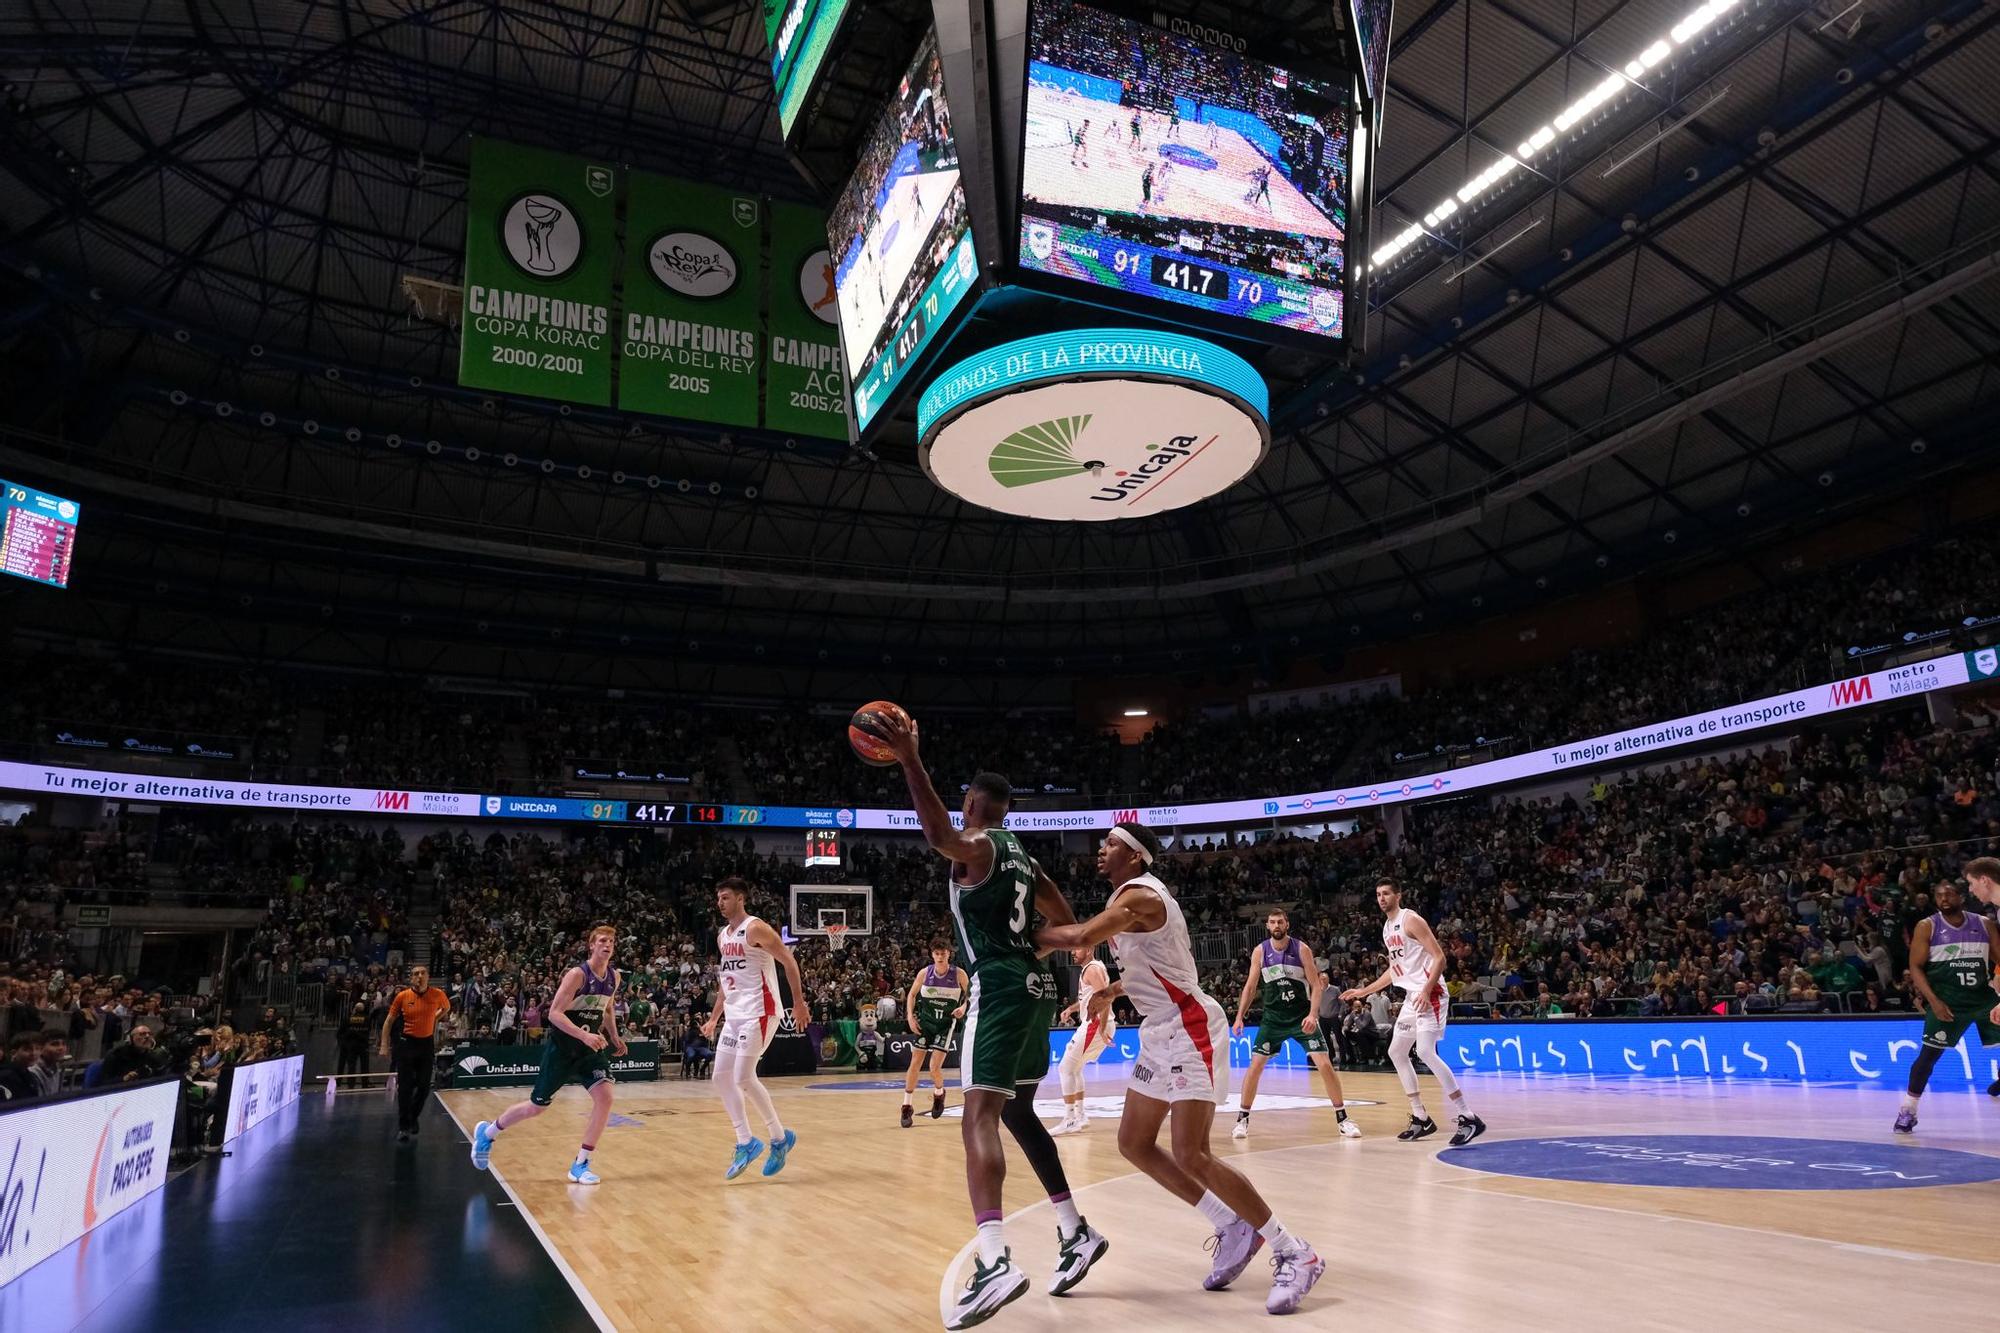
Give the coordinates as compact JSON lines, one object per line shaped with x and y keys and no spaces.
{"x":1169,"y":169}
{"x":799,"y":33}
{"x":901,"y":236}
{"x":1371,"y":27}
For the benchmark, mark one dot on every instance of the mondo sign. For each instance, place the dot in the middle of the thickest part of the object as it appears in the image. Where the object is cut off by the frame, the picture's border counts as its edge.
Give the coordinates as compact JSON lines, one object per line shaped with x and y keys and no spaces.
{"x":1094,"y":424}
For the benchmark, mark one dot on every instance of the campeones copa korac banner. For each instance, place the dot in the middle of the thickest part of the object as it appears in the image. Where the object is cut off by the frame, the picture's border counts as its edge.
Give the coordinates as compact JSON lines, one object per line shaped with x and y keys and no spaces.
{"x":540,"y":241}
{"x":723,"y":311}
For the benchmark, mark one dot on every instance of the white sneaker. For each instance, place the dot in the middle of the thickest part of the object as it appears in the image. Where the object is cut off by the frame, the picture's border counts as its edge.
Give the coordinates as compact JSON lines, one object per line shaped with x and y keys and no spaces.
{"x":987,"y":1290}
{"x":1082,"y":1121}
{"x":1348,"y":1129}
{"x":1074,"y":1256}
{"x":1067,"y":1125}
{"x":1242,"y":1130}
{"x":1233,"y":1247}
{"x":1293,"y":1274}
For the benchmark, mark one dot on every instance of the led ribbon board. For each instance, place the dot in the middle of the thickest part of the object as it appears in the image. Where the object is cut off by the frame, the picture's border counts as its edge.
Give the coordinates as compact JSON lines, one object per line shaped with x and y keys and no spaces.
{"x":1094,"y":424}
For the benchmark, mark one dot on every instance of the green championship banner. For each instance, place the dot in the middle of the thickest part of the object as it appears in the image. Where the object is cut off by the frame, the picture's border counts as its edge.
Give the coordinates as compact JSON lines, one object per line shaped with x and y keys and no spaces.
{"x":491,"y":1065}
{"x":539,"y":254}
{"x":693,"y":260}
{"x":803,"y":390}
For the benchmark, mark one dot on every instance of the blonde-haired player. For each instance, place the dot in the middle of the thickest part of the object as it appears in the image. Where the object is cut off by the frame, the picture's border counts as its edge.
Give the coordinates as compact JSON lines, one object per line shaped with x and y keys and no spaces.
{"x":1182,"y":1073}
{"x":1095,"y":1027}
{"x":1416,"y":963}
{"x":582,"y":1023}
{"x":746,"y":1010}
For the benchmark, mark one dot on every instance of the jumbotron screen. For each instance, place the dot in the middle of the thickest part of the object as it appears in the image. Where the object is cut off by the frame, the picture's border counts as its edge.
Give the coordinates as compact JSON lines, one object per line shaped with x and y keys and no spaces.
{"x":1170,"y":170}
{"x":37,"y":534}
{"x":799,"y":33}
{"x":1371,"y":29}
{"x":901,"y":236}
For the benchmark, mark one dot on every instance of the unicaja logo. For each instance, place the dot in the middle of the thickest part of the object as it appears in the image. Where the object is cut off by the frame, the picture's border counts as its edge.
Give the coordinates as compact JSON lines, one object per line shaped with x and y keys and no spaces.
{"x":1053,"y":450}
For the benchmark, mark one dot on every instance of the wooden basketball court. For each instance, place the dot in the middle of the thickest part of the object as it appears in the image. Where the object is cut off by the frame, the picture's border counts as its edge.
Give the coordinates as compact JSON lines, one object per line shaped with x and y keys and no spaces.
{"x":868,"y":1219}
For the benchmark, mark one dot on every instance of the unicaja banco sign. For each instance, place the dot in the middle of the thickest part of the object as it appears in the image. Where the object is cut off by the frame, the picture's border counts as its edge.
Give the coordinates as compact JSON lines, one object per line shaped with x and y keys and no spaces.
{"x":1093,"y":425}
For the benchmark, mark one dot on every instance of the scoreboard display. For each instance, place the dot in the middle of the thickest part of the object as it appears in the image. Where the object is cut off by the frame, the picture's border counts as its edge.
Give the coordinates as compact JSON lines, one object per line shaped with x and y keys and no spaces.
{"x":799,"y":33}
{"x":1189,"y":181}
{"x":822,"y":847}
{"x":37,"y":534}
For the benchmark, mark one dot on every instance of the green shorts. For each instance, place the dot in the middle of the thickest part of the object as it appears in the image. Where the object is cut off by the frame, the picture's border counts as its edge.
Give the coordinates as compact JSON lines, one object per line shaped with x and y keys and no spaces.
{"x":567,"y":1060}
{"x":932,"y":1038}
{"x":1964,"y":1013}
{"x":1005,"y":1042}
{"x":1271,"y":1039}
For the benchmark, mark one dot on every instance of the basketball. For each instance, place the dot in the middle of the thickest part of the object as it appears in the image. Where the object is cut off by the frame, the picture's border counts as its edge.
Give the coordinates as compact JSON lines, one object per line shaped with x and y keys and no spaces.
{"x":865,"y":735}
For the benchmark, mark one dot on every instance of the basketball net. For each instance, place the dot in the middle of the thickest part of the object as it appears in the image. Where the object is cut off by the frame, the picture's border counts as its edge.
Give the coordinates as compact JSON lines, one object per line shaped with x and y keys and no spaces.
{"x":836,"y":937}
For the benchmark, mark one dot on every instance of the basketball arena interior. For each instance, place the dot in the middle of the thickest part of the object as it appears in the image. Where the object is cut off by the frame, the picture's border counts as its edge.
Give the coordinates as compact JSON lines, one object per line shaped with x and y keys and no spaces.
{"x":1075,"y":664}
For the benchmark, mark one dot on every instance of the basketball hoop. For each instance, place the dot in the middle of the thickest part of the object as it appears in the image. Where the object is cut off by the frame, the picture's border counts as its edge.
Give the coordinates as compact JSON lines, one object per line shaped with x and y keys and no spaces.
{"x":836,"y":937}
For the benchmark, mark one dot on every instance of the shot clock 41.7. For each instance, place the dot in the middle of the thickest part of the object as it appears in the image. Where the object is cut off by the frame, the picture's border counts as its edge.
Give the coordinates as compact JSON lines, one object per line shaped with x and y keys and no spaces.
{"x":1197,"y":280}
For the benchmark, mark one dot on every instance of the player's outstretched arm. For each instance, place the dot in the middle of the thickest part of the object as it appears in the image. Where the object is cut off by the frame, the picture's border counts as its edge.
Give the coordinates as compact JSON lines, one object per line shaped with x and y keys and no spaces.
{"x":1920,"y":956}
{"x":1420,"y":931}
{"x":1135,"y":911}
{"x":559,"y":1010}
{"x":971,"y":849}
{"x":761,"y":933}
{"x":1316,"y":982}
{"x":1380,"y":983}
{"x":611,"y":1034}
{"x":1049,"y":900}
{"x":1251,"y":985}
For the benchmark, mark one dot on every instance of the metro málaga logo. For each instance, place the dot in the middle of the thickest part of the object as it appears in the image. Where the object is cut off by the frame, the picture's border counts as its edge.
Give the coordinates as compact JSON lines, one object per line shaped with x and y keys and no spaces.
{"x":1844,"y":693}
{"x":392,"y":800}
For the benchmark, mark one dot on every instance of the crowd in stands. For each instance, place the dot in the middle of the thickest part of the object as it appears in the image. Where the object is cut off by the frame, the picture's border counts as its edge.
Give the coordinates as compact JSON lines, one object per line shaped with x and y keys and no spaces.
{"x":386,"y":734}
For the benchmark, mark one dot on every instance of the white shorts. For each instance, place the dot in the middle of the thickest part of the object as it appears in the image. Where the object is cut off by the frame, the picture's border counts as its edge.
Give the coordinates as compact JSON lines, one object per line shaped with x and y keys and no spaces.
{"x":1424,"y":1016}
{"x":745,"y":1036}
{"x":1181,"y":1060}
{"x":1090,"y":1041}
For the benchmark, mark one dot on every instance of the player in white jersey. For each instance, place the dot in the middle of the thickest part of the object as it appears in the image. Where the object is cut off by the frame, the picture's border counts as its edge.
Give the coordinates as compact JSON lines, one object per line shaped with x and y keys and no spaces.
{"x":1095,"y":1027}
{"x":1416,"y":964}
{"x":747,"y":1010}
{"x":1182,"y":1072}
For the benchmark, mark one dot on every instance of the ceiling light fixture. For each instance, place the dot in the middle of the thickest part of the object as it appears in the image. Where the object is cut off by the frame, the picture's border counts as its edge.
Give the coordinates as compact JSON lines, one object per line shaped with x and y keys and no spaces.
{"x":1697,"y":21}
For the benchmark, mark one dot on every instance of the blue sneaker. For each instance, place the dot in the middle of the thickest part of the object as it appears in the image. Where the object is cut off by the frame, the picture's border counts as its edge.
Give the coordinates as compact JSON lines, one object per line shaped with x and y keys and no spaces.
{"x":746,"y":1153}
{"x":581,"y":1174}
{"x":779,"y":1148}
{"x":482,"y":1144}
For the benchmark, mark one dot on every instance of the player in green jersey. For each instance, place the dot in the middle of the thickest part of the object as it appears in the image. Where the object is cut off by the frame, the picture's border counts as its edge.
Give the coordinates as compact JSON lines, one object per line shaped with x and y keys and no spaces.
{"x":1284,"y":969}
{"x":935,"y":1004}
{"x":1951,"y":967}
{"x":996,"y":890}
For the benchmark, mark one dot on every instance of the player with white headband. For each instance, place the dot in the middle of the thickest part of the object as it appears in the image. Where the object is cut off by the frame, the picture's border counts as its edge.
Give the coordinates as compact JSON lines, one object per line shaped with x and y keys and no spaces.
{"x":1182,"y":1072}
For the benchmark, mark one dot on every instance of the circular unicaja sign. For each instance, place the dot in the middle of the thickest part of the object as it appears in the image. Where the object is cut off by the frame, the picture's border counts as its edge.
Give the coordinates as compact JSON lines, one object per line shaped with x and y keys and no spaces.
{"x":1093,"y":425}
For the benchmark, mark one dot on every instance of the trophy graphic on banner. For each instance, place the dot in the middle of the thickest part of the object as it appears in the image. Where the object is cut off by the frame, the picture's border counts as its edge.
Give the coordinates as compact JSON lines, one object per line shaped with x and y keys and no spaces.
{"x":541,"y":220}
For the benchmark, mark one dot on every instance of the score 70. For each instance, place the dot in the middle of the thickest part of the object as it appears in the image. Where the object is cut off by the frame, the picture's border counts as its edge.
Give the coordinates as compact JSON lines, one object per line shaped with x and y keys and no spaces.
{"x":16,"y":493}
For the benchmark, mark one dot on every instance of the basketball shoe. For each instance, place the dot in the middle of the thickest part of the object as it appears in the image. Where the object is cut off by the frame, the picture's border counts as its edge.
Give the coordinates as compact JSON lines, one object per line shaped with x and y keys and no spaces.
{"x":1074,"y":1256}
{"x":1233,"y":1246}
{"x":987,"y":1290}
{"x":1293,"y":1274}
{"x":746,"y":1153}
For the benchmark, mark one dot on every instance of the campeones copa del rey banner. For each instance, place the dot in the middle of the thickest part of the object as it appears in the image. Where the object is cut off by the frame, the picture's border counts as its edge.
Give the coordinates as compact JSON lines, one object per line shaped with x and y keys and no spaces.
{"x":1636,"y":745}
{"x":73,"y":1164}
